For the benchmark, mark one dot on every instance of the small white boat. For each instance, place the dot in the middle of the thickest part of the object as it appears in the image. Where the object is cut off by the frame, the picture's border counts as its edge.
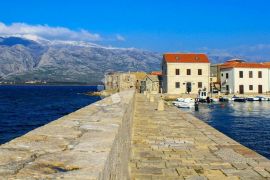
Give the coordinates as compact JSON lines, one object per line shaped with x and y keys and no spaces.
{"x":253,"y":98}
{"x":180,"y":99}
{"x":261,"y":98}
{"x":239,"y":99}
{"x":214,"y":100}
{"x":202,"y":95}
{"x":184,"y":103}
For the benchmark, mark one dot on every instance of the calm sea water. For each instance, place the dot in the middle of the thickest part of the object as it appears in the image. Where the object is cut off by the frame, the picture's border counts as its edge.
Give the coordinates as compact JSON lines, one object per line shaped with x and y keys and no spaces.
{"x":24,"y":108}
{"x":247,"y":123}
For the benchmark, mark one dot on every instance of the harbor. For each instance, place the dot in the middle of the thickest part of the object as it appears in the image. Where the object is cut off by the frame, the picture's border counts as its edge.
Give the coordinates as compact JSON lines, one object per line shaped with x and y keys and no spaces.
{"x":138,"y":146}
{"x":187,"y":148}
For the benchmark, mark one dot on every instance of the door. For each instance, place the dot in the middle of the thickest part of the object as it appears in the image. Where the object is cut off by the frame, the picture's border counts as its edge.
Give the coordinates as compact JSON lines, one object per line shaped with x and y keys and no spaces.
{"x":260,"y":89}
{"x":189,"y":88}
{"x":241,"y":89}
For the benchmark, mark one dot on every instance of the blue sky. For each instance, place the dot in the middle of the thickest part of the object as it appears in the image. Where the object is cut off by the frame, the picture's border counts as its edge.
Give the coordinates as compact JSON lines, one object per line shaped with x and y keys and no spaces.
{"x":158,"y":25}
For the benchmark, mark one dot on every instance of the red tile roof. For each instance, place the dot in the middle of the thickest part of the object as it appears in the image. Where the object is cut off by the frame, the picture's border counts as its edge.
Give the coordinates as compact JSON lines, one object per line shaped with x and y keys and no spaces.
{"x":156,"y":73}
{"x":238,"y":64}
{"x":185,"y":58}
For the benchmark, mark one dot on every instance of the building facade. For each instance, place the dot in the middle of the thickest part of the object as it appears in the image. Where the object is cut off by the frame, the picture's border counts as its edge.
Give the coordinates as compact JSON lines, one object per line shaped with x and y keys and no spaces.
{"x":123,"y":80}
{"x":240,"y":77}
{"x":120,"y":81}
{"x":185,"y":73}
{"x":150,"y":84}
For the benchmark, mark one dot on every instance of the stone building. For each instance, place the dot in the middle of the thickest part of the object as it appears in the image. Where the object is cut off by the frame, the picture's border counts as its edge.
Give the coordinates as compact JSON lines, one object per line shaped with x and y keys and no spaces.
{"x":215,"y":77}
{"x":123,"y":80}
{"x":150,"y":84}
{"x":139,"y":78}
{"x":120,"y":81}
{"x":185,"y":73}
{"x":240,"y":77}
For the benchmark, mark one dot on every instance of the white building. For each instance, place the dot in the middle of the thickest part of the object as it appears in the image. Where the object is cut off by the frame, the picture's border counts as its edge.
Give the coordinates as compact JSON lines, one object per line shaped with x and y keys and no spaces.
{"x":240,"y":77}
{"x":185,"y":73}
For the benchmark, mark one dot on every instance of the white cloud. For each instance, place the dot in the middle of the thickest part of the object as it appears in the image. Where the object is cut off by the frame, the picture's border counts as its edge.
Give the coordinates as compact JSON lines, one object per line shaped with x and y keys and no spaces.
{"x":120,"y":38}
{"x":48,"y":32}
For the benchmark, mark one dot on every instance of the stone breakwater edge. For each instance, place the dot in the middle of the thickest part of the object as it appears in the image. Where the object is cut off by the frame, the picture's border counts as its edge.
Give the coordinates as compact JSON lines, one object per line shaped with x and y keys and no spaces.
{"x":124,"y":137}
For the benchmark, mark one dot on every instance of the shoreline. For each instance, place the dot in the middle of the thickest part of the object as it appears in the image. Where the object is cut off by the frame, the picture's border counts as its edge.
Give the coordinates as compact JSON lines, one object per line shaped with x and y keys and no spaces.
{"x":95,"y":142}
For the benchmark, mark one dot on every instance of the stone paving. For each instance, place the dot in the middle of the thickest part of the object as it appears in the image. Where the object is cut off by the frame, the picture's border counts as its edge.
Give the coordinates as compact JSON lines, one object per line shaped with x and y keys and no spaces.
{"x":91,"y":143}
{"x":172,"y":144}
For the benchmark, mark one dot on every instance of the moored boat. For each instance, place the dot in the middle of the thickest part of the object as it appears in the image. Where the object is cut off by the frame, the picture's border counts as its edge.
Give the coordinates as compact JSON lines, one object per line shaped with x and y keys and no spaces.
{"x":184,"y":103}
{"x":253,"y":98}
{"x":240,"y":99}
{"x":223,"y":99}
{"x":261,"y":98}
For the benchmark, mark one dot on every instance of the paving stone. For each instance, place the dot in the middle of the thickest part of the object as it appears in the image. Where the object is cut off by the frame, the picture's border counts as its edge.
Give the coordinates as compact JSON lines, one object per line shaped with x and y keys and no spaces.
{"x":178,"y":144}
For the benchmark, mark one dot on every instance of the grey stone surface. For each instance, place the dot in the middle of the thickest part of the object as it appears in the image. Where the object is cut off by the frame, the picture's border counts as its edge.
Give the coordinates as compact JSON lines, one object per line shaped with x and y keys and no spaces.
{"x":91,"y":143}
{"x":173,"y":144}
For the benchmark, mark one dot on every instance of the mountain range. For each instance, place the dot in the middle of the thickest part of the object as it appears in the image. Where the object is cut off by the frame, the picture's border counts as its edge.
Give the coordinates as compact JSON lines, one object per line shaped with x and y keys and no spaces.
{"x":24,"y":59}
{"x":31,"y":58}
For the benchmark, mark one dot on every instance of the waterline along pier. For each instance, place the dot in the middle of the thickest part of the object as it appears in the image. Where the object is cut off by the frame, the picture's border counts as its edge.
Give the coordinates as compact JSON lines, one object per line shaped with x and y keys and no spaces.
{"x":124,"y":136}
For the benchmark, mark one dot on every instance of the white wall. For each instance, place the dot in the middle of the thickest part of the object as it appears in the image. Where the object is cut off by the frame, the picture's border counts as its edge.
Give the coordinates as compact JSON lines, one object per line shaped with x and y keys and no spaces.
{"x":171,"y":78}
{"x":230,"y":81}
{"x":235,"y":81}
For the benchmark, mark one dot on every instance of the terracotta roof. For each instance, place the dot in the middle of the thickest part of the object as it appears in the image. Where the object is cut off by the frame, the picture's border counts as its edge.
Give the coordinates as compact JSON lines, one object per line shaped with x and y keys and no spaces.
{"x":185,"y":58}
{"x":139,"y":75}
{"x":156,"y":73}
{"x":237,"y":64}
{"x":152,"y":77}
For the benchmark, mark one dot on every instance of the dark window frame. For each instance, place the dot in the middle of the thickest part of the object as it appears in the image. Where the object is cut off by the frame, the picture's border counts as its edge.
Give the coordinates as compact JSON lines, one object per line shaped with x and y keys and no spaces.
{"x":250,"y":87}
{"x":199,"y":72}
{"x":188,"y":72}
{"x":250,"y":74}
{"x":200,"y":85}
{"x":259,"y":74}
{"x":241,"y":74}
{"x":177,"y":71}
{"x":177,"y":85}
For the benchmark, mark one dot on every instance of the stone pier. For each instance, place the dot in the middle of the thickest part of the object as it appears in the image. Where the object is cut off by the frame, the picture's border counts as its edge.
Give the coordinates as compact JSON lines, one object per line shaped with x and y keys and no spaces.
{"x":125,"y":137}
{"x":172,"y":144}
{"x":91,"y":143}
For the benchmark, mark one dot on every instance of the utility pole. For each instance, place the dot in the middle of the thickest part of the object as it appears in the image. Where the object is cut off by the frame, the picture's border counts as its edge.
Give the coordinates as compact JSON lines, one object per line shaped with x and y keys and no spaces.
{"x":211,"y":85}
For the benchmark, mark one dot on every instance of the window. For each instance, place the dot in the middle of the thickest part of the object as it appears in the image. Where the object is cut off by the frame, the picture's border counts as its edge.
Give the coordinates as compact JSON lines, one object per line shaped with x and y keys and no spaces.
{"x":240,"y":74}
{"x":250,"y":74}
{"x":250,"y":87}
{"x":188,"y":71}
{"x":222,"y":74}
{"x":227,"y":75}
{"x":199,"y":71}
{"x":260,"y":74}
{"x":177,"y":72}
{"x":199,"y":84}
{"x":177,"y":85}
{"x":227,"y":88}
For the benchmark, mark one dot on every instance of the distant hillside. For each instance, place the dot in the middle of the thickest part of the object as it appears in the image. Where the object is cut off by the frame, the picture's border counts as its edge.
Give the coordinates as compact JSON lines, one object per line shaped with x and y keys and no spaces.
{"x":66,"y":61}
{"x":23,"y":59}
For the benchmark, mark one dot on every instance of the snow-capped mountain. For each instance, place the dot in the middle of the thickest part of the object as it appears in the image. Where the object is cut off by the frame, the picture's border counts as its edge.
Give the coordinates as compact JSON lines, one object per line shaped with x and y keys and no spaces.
{"x":29,"y":57}
{"x":26,"y":58}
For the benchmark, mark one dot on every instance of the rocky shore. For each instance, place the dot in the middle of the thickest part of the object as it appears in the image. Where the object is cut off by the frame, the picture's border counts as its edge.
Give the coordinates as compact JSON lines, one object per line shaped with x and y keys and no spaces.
{"x":104,"y":93}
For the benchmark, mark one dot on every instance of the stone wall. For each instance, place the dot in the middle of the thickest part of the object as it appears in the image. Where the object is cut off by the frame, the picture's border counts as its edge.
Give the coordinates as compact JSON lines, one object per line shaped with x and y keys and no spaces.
{"x":91,"y":143}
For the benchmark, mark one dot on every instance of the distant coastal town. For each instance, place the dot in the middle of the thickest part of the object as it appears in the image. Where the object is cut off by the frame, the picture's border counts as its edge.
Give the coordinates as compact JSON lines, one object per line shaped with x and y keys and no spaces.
{"x":189,"y":73}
